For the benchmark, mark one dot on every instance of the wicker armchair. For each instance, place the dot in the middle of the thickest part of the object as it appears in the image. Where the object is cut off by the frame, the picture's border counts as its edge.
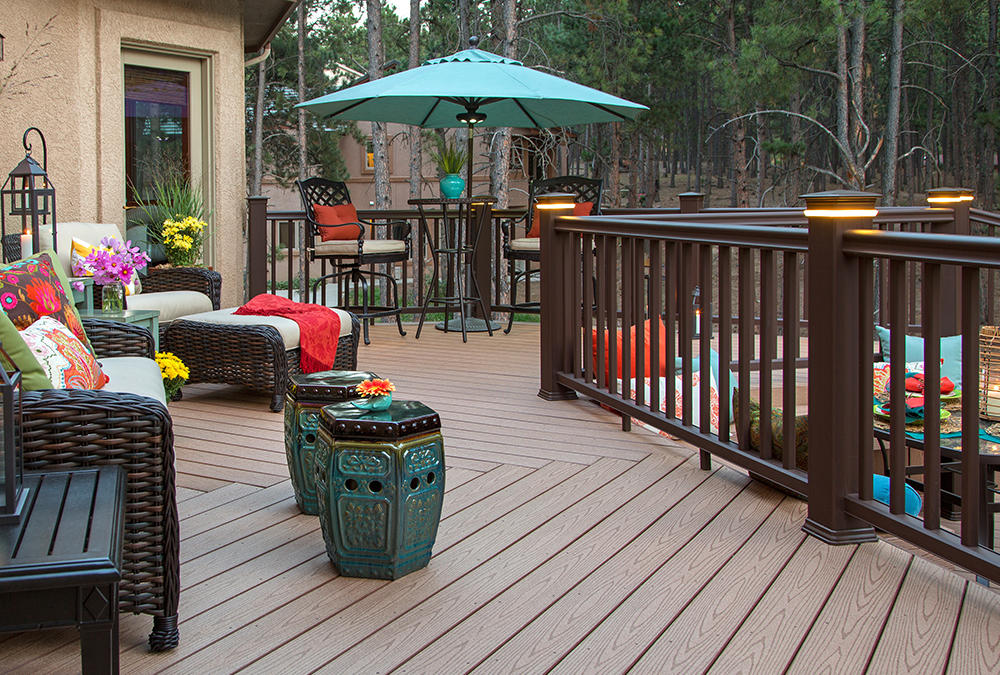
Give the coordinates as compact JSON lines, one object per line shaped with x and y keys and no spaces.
{"x":70,"y":428}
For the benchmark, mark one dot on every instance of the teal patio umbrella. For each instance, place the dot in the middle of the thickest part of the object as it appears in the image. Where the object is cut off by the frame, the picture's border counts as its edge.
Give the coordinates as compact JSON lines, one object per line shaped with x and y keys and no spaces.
{"x":474,"y":87}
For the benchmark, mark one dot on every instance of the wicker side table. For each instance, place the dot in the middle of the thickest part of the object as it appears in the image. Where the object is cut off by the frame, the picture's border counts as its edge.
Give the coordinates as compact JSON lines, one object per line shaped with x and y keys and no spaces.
{"x":380,"y":485}
{"x":305,"y":396}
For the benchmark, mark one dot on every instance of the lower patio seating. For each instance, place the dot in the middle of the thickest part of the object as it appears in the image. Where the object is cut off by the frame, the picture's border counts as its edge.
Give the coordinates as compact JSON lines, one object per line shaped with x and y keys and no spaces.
{"x":258,"y":352}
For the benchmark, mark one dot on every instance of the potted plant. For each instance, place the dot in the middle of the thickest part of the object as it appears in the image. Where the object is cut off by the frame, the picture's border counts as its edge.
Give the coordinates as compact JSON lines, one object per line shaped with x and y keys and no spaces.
{"x":450,"y":158}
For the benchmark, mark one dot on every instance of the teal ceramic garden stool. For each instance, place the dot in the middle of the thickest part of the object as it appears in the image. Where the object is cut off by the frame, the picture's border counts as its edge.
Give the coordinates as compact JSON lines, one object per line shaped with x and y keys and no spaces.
{"x":304,"y":397}
{"x":380,"y":485}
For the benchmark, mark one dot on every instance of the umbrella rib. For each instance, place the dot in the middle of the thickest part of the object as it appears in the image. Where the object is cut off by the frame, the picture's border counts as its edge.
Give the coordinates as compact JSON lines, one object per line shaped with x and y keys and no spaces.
{"x":534,"y":122}
{"x":353,"y":105}
{"x":430,"y":112}
{"x":623,"y":118}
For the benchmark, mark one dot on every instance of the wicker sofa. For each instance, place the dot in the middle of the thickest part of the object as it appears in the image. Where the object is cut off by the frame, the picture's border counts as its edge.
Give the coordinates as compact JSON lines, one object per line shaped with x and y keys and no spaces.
{"x":70,"y":428}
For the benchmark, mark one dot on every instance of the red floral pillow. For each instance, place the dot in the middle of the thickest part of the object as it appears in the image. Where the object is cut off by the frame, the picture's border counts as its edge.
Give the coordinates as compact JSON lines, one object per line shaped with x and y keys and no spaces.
{"x":30,"y":289}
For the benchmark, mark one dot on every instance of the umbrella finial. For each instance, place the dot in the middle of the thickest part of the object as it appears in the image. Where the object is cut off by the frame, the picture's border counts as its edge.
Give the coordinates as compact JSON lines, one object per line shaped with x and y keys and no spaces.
{"x":474,"y":41}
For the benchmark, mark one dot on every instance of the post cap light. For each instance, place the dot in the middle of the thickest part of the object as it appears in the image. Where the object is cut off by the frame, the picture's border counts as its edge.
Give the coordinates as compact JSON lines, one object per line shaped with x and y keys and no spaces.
{"x":949,"y":195}
{"x":556,"y":200}
{"x":841,"y":204}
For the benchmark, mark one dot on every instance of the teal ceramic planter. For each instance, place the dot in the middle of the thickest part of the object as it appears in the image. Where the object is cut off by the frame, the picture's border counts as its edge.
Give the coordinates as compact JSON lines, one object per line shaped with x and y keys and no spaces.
{"x":452,"y":186}
{"x":380,"y":485}
{"x":304,"y":397}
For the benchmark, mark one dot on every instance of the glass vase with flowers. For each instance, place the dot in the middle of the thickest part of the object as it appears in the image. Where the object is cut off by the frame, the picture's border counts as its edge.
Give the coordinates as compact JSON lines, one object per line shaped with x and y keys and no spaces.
{"x":113,"y":264}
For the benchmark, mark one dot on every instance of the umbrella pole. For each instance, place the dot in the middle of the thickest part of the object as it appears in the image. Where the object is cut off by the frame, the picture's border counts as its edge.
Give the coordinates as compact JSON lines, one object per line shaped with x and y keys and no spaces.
{"x":468,"y":169}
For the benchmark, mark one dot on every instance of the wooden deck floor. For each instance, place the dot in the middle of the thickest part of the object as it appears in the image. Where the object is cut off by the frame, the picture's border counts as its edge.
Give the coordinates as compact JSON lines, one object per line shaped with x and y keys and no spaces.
{"x":566,"y":545}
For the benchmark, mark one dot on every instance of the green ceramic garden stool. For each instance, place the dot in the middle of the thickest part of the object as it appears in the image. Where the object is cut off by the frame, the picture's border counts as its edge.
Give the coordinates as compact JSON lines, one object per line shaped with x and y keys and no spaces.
{"x":304,"y":397}
{"x":380,"y":484}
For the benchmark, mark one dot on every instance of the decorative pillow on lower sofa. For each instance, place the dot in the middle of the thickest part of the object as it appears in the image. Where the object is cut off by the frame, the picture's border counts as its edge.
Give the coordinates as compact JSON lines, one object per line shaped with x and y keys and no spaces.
{"x":67,"y":361}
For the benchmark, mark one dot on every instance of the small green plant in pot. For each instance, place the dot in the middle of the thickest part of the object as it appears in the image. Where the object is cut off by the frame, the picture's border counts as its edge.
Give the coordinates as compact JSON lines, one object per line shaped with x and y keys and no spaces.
{"x":172,"y":200}
{"x":450,"y":159}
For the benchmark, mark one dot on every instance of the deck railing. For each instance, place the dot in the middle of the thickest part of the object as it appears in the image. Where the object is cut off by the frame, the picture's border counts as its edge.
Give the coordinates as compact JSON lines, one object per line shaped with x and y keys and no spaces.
{"x":618,"y":303}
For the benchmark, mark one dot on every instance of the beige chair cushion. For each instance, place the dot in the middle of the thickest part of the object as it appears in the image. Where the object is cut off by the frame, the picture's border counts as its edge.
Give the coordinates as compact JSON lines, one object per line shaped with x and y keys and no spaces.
{"x":287,"y":328}
{"x":350,"y":247}
{"x":172,"y":304}
{"x":526,"y":244}
{"x":92,"y":233}
{"x":134,"y":375}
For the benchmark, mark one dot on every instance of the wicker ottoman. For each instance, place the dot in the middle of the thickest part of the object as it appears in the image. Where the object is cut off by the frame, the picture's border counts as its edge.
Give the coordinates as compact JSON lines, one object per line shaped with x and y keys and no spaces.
{"x":258,"y":352}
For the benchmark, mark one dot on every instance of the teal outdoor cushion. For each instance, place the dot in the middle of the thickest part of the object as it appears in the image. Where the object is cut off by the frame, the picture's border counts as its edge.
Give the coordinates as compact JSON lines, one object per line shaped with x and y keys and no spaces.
{"x":951,"y":352}
{"x":696,"y":366}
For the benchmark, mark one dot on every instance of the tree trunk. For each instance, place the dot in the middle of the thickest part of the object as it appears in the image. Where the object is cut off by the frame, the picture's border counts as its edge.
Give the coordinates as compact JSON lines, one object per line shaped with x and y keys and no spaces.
{"x":843,"y":90}
{"x":742,"y":191}
{"x":614,"y":161}
{"x":257,"y":179}
{"x":301,"y":139}
{"x":416,"y":155}
{"x":761,"y":157}
{"x":463,"y":24}
{"x":987,"y":191}
{"x":795,"y":160}
{"x":889,"y":188}
{"x":506,"y":24}
{"x":380,"y":142}
{"x":633,"y":170}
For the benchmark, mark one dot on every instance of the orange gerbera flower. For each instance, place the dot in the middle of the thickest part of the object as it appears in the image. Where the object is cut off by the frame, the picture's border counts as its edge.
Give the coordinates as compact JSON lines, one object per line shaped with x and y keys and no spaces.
{"x":375,"y":387}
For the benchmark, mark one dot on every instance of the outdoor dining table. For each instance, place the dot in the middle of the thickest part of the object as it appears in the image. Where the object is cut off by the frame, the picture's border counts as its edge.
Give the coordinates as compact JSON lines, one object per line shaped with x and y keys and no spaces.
{"x":951,"y":456}
{"x":459,"y":236}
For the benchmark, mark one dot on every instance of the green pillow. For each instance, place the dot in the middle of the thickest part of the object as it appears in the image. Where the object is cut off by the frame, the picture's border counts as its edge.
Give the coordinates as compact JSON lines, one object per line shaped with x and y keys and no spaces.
{"x":951,"y":352}
{"x":20,"y":300}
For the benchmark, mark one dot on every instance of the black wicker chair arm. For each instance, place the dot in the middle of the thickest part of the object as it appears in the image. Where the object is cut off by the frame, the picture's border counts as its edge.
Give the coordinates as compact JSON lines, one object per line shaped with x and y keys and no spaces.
{"x":113,"y":338}
{"x":198,"y":279}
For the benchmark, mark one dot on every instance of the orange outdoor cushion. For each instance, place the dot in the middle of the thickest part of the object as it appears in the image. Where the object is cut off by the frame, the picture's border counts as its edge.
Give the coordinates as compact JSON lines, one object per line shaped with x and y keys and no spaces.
{"x":581,"y":209}
{"x":632,"y":351}
{"x":337,"y":215}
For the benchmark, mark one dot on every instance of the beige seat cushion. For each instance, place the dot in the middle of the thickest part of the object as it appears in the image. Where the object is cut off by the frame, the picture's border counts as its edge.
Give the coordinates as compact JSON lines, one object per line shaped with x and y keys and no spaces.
{"x":350,"y":247}
{"x":526,"y":244}
{"x":171,"y":304}
{"x":287,"y":328}
{"x":134,"y":375}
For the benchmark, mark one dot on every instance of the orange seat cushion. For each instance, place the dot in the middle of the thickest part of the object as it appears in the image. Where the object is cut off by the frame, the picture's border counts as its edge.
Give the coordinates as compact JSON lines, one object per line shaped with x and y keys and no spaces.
{"x":581,"y":209}
{"x":632,"y":351}
{"x":337,"y":218}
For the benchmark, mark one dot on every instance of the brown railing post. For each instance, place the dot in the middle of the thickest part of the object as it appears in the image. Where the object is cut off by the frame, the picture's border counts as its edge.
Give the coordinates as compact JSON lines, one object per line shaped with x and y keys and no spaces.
{"x":256,"y":245}
{"x":833,"y":364}
{"x":960,"y":201}
{"x":691,"y":202}
{"x":554,"y":295}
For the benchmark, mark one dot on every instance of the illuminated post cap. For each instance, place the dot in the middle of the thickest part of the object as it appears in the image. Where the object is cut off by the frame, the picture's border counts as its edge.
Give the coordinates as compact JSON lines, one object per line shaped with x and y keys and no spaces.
{"x":841,"y":204}
{"x":556,"y":200}
{"x":946,"y":195}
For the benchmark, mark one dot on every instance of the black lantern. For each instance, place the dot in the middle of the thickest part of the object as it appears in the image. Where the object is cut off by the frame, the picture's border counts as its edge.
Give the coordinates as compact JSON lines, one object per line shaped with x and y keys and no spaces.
{"x":12,"y":494}
{"x":27,"y":197}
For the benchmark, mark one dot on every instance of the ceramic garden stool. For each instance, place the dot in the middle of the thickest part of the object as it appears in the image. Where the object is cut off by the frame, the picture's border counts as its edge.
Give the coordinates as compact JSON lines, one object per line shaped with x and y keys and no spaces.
{"x":304,"y":397}
{"x":380,"y":484}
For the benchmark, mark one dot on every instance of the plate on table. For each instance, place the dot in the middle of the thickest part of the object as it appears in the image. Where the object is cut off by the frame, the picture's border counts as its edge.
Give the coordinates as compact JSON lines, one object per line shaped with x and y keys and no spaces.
{"x":945,"y":414}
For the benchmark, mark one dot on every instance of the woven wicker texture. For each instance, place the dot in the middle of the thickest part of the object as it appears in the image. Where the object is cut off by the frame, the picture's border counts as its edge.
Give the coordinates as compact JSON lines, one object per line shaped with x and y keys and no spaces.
{"x":989,"y":372}
{"x":198,"y":279}
{"x":69,"y":428}
{"x":112,"y":338}
{"x":252,"y":356}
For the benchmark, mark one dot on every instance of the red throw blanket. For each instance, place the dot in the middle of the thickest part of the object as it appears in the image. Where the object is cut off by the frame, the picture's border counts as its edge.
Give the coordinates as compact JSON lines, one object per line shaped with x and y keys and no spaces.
{"x":319,"y":327}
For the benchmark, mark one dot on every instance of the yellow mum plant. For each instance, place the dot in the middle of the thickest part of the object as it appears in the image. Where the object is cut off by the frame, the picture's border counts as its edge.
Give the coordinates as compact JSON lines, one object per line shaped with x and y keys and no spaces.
{"x":182,"y":239}
{"x":174,"y":373}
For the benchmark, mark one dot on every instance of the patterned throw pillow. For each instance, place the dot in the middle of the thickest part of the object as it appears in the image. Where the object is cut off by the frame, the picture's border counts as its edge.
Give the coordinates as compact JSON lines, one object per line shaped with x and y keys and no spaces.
{"x":67,"y":361}
{"x":30,"y":289}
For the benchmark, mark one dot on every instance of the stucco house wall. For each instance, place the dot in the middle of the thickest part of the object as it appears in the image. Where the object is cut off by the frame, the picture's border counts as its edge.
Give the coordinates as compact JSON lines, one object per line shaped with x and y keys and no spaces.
{"x":72,"y":89}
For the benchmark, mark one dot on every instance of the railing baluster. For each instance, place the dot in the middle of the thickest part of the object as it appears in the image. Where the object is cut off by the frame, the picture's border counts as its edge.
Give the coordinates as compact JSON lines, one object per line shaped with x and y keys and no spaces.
{"x":789,"y":351}
{"x":972,"y":484}
{"x":672,"y":274}
{"x":576,"y":314}
{"x":638,"y":315}
{"x":705,"y":344}
{"x":611,"y":274}
{"x":768,"y":305}
{"x":930,"y":315}
{"x":655,"y":323}
{"x":745,"y":347}
{"x":866,"y":286}
{"x":897,"y":389}
{"x":603,"y":324}
{"x":725,"y":338}
{"x":588,"y":307}
{"x":684,"y":329}
{"x":627,"y":331}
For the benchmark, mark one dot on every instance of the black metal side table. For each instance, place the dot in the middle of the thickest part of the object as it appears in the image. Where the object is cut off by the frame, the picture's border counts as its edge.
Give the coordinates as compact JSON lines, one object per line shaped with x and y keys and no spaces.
{"x":61,"y":563}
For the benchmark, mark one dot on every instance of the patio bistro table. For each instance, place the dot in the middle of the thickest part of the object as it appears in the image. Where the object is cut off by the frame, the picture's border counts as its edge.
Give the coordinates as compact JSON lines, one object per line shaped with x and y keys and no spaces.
{"x":951,"y":456}
{"x":459,"y":246}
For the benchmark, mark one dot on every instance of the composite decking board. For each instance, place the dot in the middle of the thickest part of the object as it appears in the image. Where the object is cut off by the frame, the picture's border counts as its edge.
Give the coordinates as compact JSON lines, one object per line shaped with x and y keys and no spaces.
{"x":583,"y":529}
{"x":225,"y":436}
{"x":770,"y":635}
{"x":849,"y":625}
{"x":225,"y":513}
{"x":223,"y":455}
{"x":474,"y":532}
{"x":184,"y":494}
{"x":626,"y":632}
{"x":481,"y":486}
{"x":692,"y":639}
{"x":470,"y":641}
{"x":198,"y":482}
{"x":922,"y":621}
{"x":976,"y":648}
{"x":326,"y":639}
{"x":221,"y":473}
{"x":205,"y":501}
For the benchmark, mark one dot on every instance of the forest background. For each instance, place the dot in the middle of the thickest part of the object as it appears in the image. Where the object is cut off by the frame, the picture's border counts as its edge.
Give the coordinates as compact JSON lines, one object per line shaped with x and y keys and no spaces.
{"x":755,"y":101}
